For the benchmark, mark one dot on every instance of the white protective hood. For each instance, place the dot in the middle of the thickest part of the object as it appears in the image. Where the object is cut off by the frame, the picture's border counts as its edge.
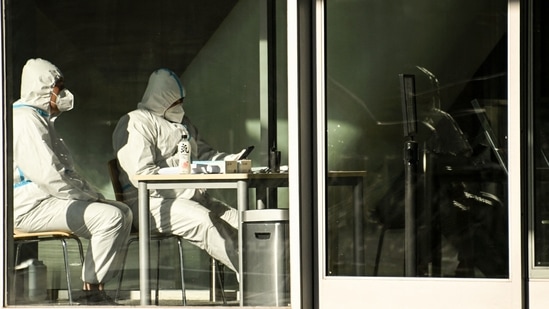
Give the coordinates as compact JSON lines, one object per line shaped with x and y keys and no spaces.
{"x":37,"y":81}
{"x":163,"y":89}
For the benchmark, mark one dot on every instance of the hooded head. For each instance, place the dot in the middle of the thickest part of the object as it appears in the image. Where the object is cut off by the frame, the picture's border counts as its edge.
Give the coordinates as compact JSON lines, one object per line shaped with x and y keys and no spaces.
{"x":163,"y":90}
{"x":37,"y":81}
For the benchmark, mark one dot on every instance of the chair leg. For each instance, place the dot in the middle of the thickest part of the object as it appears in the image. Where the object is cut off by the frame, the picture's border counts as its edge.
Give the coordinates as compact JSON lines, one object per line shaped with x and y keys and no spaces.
{"x":80,"y":249}
{"x":67,"y":268}
{"x":182,"y":269}
{"x":121,"y":276}
{"x":220,"y":269}
{"x":156,"y":299}
{"x":181,"y":265}
{"x":15,"y":261}
{"x":217,"y":282}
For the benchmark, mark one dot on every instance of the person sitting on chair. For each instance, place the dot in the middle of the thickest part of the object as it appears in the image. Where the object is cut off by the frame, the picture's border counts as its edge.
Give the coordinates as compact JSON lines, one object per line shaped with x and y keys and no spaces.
{"x":144,"y":141}
{"x":49,"y":194}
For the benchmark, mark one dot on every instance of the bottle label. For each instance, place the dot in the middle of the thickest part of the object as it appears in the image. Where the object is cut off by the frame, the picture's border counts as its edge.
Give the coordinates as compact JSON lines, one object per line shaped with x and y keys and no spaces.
{"x":184,"y":150}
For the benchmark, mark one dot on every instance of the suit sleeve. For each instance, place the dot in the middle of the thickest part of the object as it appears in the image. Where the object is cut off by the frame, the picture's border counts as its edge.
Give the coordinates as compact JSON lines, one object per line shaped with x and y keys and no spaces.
{"x":38,"y":160}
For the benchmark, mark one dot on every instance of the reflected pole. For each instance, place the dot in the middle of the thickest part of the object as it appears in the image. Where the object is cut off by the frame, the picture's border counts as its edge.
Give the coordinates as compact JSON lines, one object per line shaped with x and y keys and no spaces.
{"x":410,"y":198}
{"x":407,"y":86}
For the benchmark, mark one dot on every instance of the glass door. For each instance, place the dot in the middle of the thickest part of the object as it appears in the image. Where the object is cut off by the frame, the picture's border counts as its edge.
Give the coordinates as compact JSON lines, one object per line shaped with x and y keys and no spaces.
{"x":538,"y":166}
{"x":419,"y":116}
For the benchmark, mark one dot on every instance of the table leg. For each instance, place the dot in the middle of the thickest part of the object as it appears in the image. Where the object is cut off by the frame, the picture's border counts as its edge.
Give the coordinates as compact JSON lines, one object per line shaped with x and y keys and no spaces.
{"x":242,"y":204}
{"x":144,"y":240}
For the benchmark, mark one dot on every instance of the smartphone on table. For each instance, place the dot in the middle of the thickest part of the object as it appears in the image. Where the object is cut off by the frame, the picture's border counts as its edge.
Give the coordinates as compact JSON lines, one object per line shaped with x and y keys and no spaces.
{"x":246,"y":153}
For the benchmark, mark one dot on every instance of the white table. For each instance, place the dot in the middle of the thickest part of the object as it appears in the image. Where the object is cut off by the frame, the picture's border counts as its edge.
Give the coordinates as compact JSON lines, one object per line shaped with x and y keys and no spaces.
{"x":241,"y":183}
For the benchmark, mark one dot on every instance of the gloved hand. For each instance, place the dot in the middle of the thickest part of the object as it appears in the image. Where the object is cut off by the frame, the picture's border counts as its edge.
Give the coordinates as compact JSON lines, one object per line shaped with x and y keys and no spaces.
{"x":234,"y":157}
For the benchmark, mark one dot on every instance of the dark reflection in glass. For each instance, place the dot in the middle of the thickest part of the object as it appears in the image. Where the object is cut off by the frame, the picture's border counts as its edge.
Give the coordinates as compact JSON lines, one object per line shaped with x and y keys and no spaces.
{"x":461,"y":101}
{"x":540,"y":112}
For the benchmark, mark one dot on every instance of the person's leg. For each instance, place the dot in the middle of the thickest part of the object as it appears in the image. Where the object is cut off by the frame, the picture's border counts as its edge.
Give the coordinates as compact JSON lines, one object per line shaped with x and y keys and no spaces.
{"x":218,"y":208}
{"x":106,"y":226}
{"x":199,"y":226}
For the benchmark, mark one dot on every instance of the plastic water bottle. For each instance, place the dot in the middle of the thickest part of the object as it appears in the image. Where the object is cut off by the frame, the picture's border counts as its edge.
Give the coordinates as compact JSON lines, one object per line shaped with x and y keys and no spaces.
{"x":184,"y":151}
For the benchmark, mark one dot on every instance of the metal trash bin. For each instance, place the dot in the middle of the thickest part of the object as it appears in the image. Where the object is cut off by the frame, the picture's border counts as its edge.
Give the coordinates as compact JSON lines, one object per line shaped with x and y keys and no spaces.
{"x":266,"y":259}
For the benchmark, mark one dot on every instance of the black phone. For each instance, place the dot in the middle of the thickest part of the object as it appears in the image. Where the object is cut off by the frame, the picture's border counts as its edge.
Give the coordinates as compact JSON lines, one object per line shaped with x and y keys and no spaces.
{"x":246,"y":153}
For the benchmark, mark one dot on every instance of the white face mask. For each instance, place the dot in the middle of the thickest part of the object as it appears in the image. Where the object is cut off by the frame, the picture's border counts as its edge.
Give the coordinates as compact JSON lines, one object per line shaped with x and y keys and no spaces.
{"x":175,"y":113}
{"x":65,"y":100}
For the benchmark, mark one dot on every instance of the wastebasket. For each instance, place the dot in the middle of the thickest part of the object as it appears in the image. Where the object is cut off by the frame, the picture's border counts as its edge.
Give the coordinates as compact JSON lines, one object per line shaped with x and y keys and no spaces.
{"x":265,"y":257}
{"x":31,"y":281}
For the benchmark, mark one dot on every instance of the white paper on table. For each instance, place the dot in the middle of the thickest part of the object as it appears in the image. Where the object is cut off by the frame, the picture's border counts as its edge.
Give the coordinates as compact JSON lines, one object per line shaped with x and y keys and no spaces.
{"x":196,"y":168}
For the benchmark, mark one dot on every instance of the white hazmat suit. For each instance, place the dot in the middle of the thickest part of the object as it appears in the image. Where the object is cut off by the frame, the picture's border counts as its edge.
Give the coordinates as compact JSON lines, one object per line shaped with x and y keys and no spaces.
{"x":48,"y":193}
{"x":144,"y":141}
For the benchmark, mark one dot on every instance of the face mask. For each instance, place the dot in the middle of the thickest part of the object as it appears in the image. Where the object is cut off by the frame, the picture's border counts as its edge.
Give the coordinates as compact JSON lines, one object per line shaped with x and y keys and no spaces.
{"x":175,"y":113}
{"x":65,"y":100}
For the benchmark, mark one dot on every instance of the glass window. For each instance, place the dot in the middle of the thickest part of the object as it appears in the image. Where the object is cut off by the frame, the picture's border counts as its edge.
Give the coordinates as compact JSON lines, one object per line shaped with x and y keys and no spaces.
{"x":417,"y":104}
{"x":230,"y":56}
{"x":540,"y":131}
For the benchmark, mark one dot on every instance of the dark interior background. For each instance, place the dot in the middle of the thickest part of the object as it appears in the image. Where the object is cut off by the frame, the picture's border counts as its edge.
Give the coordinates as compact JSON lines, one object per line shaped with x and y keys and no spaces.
{"x":122,"y":41}
{"x":107,"y":50}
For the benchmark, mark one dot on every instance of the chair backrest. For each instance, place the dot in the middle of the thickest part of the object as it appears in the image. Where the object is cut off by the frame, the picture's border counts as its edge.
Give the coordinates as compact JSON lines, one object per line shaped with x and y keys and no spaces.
{"x":116,"y":185}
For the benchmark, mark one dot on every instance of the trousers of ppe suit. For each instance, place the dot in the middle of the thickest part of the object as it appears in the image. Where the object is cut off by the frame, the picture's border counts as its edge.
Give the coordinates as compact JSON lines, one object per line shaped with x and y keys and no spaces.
{"x":106,"y":224}
{"x":204,"y":221}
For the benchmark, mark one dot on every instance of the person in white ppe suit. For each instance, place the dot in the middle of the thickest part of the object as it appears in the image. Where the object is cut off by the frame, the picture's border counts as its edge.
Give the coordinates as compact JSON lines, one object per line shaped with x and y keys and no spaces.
{"x":145,"y":140}
{"x":48,"y":192}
